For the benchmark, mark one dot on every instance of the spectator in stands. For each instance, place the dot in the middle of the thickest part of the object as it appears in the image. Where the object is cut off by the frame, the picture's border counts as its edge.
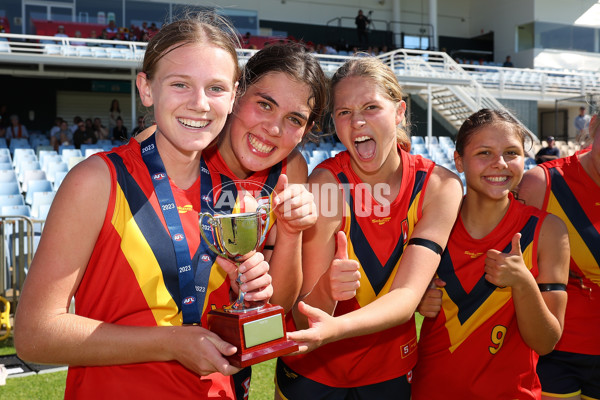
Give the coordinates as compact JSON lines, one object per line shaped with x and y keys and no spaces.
{"x":77,"y":42}
{"x":56,"y":127}
{"x":16,"y":129}
{"x":119,"y":132}
{"x":550,"y":152}
{"x":128,"y":335}
{"x":113,"y":113}
{"x":89,"y":125}
{"x":508,"y":63}
{"x":111,"y":30}
{"x":100,"y":131}
{"x":60,"y":32}
{"x":582,"y":123}
{"x":83,"y":135}
{"x":76,"y":120}
{"x":153,"y":30}
{"x":93,"y":35}
{"x":571,"y":370}
{"x":62,"y":136}
{"x":140,"y":127}
{"x":362,"y":22}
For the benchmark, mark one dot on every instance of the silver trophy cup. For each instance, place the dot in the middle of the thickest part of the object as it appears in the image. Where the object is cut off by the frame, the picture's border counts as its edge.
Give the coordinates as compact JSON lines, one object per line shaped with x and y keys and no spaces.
{"x":235,"y":235}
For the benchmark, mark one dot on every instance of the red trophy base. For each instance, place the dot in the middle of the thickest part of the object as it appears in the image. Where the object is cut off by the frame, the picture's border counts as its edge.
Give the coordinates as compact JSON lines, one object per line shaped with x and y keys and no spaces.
{"x":259,"y":335}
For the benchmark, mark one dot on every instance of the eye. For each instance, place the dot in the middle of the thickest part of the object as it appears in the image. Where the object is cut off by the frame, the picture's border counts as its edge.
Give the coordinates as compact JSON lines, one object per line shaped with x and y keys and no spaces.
{"x":216,"y":89}
{"x":264,"y":105}
{"x":371,"y":107}
{"x":296,"y":121}
{"x":342,"y":113}
{"x":179,"y":85}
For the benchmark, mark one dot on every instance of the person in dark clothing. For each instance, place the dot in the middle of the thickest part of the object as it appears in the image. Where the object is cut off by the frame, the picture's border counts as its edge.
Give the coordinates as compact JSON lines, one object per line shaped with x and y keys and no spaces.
{"x":362,"y":22}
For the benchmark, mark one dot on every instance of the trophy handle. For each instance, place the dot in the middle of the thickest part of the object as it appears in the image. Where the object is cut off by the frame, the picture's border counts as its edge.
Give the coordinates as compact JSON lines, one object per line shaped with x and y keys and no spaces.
{"x":266,"y":208}
{"x":212,"y":223}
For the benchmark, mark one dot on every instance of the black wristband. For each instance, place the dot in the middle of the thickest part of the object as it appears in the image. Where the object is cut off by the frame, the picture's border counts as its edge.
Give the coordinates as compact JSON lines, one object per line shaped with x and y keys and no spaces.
{"x":269,"y":247}
{"x":547,"y":287}
{"x":430,"y":244}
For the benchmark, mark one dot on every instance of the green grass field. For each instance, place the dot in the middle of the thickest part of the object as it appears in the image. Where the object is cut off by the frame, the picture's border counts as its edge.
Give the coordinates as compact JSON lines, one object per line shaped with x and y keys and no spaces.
{"x":51,"y":386}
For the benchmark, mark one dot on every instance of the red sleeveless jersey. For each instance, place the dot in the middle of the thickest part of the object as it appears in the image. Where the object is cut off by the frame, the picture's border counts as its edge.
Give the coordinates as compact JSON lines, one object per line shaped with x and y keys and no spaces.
{"x":575,"y":198}
{"x":130,"y":280}
{"x":473,"y":348}
{"x":377,"y":235}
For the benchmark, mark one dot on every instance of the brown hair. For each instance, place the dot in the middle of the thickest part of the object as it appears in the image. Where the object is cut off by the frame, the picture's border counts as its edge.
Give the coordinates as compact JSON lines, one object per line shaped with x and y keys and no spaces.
{"x":374,"y":68}
{"x":192,"y":28}
{"x":484,"y":118}
{"x":300,"y":65}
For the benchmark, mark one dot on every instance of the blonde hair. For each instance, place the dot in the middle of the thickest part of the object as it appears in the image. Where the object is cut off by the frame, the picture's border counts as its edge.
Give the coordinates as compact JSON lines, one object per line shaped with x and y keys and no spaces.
{"x":375,"y":69}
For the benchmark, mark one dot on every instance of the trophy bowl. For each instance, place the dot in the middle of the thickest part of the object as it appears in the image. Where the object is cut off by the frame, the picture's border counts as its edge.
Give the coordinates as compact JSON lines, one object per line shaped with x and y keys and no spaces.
{"x":258,"y":331}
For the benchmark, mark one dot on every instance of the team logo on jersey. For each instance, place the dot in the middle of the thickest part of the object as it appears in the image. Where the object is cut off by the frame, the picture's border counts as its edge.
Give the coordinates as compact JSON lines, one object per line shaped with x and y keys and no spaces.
{"x":189,"y":300}
{"x":178,"y":236}
{"x":205,"y":258}
{"x":404,"y":231}
{"x":381,"y":221}
{"x":184,"y":209}
{"x":473,"y":254}
{"x":409,"y":348}
{"x":159,"y":176}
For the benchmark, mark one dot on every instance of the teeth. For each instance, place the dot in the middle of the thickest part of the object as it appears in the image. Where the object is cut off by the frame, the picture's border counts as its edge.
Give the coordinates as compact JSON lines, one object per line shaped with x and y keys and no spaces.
{"x":192,"y":123}
{"x":361,"y":139}
{"x":497,"y":178}
{"x":260,"y":146}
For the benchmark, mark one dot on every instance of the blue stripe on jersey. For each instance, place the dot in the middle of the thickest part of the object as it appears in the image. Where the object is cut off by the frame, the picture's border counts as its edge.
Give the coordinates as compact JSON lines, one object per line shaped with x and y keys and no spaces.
{"x":147,"y":221}
{"x":572,"y":209}
{"x":420,"y":177}
{"x":468,"y":303}
{"x":378,"y":274}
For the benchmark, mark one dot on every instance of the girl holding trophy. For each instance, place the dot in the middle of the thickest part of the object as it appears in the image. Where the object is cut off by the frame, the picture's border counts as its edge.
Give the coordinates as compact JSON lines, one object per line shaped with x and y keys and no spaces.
{"x":112,"y":241}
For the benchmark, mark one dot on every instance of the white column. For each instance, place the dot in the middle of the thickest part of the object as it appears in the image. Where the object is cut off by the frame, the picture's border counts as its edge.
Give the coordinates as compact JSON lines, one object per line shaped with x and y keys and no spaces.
{"x":396,"y":16}
{"x":433,"y":22}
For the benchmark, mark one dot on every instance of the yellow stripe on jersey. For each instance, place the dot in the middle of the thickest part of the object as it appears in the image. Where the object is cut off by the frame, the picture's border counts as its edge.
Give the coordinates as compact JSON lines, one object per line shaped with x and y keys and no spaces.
{"x":458,"y":332}
{"x":140,"y":257}
{"x":582,"y":256}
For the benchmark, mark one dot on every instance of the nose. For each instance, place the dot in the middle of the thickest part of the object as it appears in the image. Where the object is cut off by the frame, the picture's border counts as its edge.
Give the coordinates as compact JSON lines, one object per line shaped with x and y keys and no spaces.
{"x":357,"y":121}
{"x":272,"y":127}
{"x":500,"y":162}
{"x":199,"y":101}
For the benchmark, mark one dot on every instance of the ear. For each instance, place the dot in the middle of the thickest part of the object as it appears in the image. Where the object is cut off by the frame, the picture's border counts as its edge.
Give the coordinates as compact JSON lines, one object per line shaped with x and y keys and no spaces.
{"x":233,"y":96}
{"x":458,"y":162}
{"x":400,"y":112}
{"x":143,"y":85}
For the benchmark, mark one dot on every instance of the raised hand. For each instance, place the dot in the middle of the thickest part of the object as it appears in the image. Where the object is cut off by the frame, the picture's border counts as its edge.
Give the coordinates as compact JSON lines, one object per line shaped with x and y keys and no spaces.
{"x":503,"y":269}
{"x":344,"y":274}
{"x":294,"y":206}
{"x":431,"y":303}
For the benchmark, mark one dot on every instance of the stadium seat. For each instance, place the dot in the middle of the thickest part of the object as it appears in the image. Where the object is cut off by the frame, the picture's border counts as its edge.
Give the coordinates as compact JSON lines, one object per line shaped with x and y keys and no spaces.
{"x":27,"y":166}
{"x":40,"y":198}
{"x":22,"y":152}
{"x":19,"y":143}
{"x":43,"y":211}
{"x":32,"y":175}
{"x":10,"y":187}
{"x":37,"y":186}
{"x":11,"y":199}
{"x":68,"y":153}
{"x":62,"y":147}
{"x":59,"y":176}
{"x":73,"y":161}
{"x":8,"y":175}
{"x":22,"y":209}
{"x":55,"y":167}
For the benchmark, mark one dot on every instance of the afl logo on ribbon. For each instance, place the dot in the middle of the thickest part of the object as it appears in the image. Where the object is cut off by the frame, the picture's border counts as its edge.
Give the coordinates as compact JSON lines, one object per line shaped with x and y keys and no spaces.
{"x":189,"y":300}
{"x":205,"y":258}
{"x":178,"y":236}
{"x":159,"y":176}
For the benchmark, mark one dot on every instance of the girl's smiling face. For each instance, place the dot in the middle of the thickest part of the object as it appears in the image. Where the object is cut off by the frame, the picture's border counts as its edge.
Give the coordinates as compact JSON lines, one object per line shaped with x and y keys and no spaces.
{"x":191,"y":102}
{"x":493,"y":161}
{"x":268,"y":122}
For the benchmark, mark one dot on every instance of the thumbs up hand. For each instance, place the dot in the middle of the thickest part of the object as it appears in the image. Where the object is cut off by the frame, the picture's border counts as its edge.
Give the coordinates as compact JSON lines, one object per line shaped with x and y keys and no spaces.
{"x":502,"y":269}
{"x":294,"y":206}
{"x":344,"y":274}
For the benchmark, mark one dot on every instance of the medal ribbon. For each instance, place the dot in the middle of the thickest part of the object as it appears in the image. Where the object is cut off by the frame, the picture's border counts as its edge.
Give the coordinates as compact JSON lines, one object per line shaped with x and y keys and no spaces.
{"x":193,"y":279}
